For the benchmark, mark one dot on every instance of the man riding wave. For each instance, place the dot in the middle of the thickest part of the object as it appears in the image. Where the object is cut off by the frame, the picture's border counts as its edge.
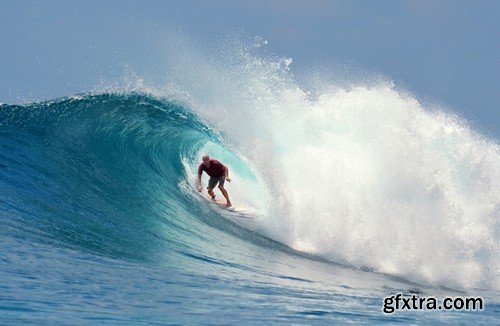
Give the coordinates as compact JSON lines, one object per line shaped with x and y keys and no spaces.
{"x":218,"y":173}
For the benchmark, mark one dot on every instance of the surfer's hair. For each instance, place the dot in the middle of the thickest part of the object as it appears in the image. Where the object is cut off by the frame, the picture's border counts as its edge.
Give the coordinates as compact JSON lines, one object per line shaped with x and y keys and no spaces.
{"x":204,"y":156}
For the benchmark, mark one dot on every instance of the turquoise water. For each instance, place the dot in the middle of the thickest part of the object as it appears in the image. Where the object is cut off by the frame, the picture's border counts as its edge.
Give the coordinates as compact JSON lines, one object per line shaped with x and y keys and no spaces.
{"x":100,"y":223}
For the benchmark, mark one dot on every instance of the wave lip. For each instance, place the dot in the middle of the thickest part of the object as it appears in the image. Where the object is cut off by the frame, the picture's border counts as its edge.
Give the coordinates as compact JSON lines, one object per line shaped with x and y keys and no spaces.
{"x":98,"y":172}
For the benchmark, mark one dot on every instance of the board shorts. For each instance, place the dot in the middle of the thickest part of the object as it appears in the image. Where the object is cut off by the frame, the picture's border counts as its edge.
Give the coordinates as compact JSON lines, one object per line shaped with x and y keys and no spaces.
{"x":212,"y":182}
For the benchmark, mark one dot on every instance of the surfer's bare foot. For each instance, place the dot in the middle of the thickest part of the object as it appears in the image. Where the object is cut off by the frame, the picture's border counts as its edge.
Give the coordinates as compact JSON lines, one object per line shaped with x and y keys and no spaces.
{"x":229,"y":204}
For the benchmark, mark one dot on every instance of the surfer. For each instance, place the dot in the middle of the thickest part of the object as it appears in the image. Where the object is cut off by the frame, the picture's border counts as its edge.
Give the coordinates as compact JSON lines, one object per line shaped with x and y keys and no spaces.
{"x":218,"y":173}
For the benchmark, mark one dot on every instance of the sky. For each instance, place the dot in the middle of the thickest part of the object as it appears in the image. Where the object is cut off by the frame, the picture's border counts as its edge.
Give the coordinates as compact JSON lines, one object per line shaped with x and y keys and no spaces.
{"x":445,"y":52}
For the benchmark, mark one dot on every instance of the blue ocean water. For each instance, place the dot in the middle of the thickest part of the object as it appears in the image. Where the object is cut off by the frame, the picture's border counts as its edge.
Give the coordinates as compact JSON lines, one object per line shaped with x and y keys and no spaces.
{"x":101,"y":224}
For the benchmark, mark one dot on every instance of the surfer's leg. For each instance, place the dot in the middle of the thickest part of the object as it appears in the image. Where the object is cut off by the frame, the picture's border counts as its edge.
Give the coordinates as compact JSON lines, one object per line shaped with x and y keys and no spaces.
{"x":211,"y":193}
{"x":224,"y":192}
{"x":212,"y":182}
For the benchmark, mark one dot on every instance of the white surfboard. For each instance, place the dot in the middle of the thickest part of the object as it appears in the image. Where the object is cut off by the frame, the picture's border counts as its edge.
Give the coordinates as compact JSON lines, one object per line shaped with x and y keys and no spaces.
{"x":240,"y":211}
{"x":236,"y":209}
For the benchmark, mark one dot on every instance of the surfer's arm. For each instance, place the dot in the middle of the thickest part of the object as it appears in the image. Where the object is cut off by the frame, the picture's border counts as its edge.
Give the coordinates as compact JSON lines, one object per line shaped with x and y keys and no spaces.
{"x":199,"y":181}
{"x":226,"y":173}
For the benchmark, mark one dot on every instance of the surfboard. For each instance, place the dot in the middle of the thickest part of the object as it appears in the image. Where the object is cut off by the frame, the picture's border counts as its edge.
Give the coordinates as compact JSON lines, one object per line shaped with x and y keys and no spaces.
{"x":239,"y":211}
{"x":236,"y":209}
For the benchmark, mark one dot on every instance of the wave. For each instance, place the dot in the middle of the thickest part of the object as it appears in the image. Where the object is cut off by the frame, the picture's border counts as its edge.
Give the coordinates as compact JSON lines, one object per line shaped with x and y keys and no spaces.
{"x":98,"y":172}
{"x":363,"y":177}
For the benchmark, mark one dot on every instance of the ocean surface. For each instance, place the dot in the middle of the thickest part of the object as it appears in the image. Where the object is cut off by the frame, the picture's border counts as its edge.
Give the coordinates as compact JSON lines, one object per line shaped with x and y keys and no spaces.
{"x":101,"y":222}
{"x":358,"y":192}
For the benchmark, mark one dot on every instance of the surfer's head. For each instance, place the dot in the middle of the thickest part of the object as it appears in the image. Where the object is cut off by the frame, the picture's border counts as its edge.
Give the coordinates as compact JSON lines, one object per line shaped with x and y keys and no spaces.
{"x":206,"y":160}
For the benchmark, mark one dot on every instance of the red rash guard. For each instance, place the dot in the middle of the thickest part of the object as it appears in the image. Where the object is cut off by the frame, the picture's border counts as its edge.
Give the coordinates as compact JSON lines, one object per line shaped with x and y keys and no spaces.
{"x":216,"y":169}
